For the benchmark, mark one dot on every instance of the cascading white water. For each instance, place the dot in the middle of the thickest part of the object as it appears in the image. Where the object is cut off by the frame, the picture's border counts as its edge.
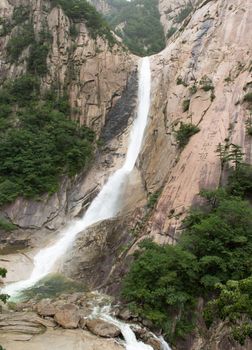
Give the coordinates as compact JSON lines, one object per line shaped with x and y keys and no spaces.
{"x":105,"y":205}
{"x":129,"y":336}
{"x":165,"y":346}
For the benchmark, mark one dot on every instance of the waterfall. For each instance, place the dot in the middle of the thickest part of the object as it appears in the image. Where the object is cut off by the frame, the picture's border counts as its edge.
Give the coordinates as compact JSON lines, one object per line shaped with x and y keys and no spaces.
{"x":129,"y":336}
{"x":165,"y":346}
{"x":105,"y":205}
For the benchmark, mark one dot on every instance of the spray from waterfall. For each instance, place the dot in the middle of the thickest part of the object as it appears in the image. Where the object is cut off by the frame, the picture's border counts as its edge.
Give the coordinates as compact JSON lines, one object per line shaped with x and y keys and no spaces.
{"x":106,"y":204}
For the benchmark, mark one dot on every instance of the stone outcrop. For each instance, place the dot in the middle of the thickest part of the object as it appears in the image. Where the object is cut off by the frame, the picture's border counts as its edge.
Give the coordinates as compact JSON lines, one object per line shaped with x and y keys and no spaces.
{"x":102,"y":328}
{"x":67,"y":316}
{"x":205,"y":49}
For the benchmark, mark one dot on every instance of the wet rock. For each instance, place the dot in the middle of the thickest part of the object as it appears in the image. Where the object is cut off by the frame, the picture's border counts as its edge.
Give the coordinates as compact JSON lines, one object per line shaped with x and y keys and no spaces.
{"x":125,"y":314}
{"x":67,"y":316}
{"x":155,"y":343}
{"x":103,"y":328}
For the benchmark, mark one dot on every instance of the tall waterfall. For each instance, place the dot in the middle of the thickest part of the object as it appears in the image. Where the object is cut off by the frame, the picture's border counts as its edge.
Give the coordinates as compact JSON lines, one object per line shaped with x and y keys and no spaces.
{"x":105,"y":205}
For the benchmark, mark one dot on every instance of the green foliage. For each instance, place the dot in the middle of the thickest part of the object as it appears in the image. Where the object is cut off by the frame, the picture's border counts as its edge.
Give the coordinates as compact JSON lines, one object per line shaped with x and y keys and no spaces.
{"x":20,"y":40}
{"x":40,"y":144}
{"x":141,"y":31}
{"x":248,"y":97}
{"x":51,"y":286}
{"x":186,"y":105}
{"x":153,"y":198}
{"x":233,"y":304}
{"x":39,"y":50}
{"x":170,"y":32}
{"x":81,"y":10}
{"x":184,"y":133}
{"x":193,"y":89}
{"x":3,"y":297}
{"x":240,"y":173}
{"x":249,"y":126}
{"x":161,"y":284}
{"x":184,"y":12}
{"x":6,"y":225}
{"x":21,"y":14}
{"x":6,"y":27}
{"x":164,"y":281}
{"x":221,"y":240}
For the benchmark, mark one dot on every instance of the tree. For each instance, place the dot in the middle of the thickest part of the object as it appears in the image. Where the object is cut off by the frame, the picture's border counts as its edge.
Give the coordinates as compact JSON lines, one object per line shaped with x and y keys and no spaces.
{"x":3,"y":297}
{"x":234,"y":304}
{"x":161,"y":284}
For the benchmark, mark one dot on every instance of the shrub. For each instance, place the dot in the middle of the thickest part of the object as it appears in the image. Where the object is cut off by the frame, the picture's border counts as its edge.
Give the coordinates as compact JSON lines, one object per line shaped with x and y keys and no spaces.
{"x":21,"y":14}
{"x":153,"y":198}
{"x":184,"y":12}
{"x":233,"y":304}
{"x":184,"y":133}
{"x":19,"y":41}
{"x":3,"y":297}
{"x":186,"y":105}
{"x":248,"y":97}
{"x":6,"y":225}
{"x":81,"y":10}
{"x":170,"y":32}
{"x":249,"y":126}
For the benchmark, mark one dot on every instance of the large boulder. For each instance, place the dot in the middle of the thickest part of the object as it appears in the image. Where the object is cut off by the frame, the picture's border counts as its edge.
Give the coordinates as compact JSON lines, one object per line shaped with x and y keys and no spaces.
{"x":46,"y":308}
{"x":103,"y":328}
{"x":67,"y":316}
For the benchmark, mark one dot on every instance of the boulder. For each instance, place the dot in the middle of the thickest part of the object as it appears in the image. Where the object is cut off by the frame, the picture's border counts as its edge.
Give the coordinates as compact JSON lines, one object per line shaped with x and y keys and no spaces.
{"x":67,"y":316}
{"x":46,"y":308}
{"x":155,"y":343}
{"x":103,"y":328}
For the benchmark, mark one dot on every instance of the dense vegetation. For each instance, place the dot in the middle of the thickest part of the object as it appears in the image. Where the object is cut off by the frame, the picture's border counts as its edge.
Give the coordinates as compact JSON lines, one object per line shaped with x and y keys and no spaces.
{"x":38,"y":142}
{"x":213,"y":260}
{"x":138,"y":23}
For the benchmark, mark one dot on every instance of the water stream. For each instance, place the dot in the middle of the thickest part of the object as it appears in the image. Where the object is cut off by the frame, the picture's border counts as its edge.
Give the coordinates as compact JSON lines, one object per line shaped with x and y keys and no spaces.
{"x":106,"y":204}
{"x":129,"y":336}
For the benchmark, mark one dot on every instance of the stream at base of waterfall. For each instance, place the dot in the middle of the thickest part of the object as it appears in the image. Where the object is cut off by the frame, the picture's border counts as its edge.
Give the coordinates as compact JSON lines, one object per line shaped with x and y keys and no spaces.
{"x":106,"y":205}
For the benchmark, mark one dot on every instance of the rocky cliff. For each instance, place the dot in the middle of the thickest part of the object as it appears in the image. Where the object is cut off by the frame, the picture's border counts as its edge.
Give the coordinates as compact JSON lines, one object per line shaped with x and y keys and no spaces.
{"x":213,"y":50}
{"x":91,"y":71}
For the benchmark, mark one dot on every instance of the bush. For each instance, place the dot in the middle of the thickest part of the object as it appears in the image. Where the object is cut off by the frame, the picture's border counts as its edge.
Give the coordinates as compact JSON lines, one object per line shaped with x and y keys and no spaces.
{"x":186,"y":105}
{"x":21,"y":14}
{"x":152,"y":200}
{"x":81,"y":10}
{"x":6,"y":225}
{"x":233,"y":304}
{"x":170,"y":32}
{"x":19,"y":41}
{"x":248,"y":97}
{"x":184,"y":133}
{"x":37,"y":59}
{"x":184,"y":12}
{"x":249,"y":126}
